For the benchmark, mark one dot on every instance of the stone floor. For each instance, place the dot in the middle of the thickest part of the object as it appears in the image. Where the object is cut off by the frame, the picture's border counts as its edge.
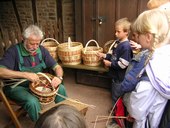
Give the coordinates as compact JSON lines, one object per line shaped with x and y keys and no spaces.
{"x":99,"y":97}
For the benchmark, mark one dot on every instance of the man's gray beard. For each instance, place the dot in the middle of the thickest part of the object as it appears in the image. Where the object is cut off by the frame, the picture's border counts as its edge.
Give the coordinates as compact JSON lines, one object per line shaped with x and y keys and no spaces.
{"x":30,"y":51}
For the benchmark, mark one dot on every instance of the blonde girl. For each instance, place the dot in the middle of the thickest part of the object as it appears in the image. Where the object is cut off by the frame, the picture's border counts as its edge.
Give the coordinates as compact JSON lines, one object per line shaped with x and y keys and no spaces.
{"x":147,"y":102}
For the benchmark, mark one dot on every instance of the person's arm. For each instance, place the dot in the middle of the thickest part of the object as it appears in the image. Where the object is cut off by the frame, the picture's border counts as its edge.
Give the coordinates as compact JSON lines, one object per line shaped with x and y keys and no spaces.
{"x":7,"y":74}
{"x":58,"y":70}
{"x":59,"y":76}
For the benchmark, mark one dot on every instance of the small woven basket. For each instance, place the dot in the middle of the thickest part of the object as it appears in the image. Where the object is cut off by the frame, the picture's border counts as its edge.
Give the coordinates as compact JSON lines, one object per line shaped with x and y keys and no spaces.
{"x":107,"y":45}
{"x":51,"y":45}
{"x":70,"y":52}
{"x":43,"y":90}
{"x":89,"y":54}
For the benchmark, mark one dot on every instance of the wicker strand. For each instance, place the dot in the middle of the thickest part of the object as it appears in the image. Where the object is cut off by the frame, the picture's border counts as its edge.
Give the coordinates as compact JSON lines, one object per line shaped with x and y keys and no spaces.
{"x":72,"y":100}
{"x":103,"y":118}
{"x":111,"y":112}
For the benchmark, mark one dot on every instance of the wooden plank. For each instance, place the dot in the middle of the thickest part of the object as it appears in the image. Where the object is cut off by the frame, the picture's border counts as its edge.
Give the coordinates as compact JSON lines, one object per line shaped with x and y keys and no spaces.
{"x":85,"y":67}
{"x":93,"y":78}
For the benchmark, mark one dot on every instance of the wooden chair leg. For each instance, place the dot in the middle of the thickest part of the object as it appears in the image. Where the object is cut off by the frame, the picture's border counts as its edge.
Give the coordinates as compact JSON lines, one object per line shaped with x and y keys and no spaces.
{"x":9,"y":108}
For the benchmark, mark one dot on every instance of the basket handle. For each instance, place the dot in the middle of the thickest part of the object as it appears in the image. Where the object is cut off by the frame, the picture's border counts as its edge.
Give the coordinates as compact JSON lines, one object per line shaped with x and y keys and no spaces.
{"x":69,"y":42}
{"x":111,"y":46}
{"x":43,"y":74}
{"x":49,"y":39}
{"x":89,"y":43}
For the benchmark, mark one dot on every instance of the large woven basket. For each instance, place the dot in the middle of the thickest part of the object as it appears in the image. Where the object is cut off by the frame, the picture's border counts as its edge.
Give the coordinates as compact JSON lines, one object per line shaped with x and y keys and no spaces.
{"x":89,"y":54}
{"x":70,"y":52}
{"x":51,"y":45}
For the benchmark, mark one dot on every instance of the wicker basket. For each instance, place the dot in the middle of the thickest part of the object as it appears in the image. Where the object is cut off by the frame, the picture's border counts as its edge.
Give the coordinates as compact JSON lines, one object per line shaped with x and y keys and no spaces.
{"x":70,"y":52}
{"x":111,"y":44}
{"x":89,"y":54}
{"x":51,"y":45}
{"x":107,"y":45}
{"x":43,"y":89}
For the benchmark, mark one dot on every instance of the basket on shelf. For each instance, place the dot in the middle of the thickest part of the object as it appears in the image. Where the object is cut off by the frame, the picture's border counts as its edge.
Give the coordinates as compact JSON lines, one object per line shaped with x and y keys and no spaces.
{"x":107,"y":45}
{"x":51,"y":45}
{"x":89,"y":54}
{"x":113,"y":44}
{"x":70,"y":52}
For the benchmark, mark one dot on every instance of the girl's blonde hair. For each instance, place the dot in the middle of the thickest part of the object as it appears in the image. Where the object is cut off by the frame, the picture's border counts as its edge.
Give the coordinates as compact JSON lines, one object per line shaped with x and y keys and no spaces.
{"x":154,"y":22}
{"x":156,"y":3}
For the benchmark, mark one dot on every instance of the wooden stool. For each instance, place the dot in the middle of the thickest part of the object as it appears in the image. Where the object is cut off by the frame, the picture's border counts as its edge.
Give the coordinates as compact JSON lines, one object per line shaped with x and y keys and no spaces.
{"x":8,"y":104}
{"x":80,"y":107}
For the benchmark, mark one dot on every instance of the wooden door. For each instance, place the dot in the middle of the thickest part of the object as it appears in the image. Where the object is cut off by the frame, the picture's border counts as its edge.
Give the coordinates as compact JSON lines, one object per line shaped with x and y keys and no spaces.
{"x":94,"y":19}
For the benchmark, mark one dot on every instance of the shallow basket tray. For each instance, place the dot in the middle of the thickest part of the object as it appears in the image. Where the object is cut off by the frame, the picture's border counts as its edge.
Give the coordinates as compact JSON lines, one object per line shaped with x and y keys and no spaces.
{"x":89,"y":54}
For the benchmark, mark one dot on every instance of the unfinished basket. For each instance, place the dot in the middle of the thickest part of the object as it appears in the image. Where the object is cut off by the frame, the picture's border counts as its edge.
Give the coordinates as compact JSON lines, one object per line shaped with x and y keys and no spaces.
{"x":43,"y":90}
{"x":89,"y":54}
{"x":51,"y":45}
{"x":70,"y":52}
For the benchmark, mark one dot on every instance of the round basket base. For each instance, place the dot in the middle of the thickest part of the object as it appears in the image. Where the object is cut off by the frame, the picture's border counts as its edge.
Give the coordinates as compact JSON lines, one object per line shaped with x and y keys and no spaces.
{"x":91,"y":63}
{"x":71,"y":63}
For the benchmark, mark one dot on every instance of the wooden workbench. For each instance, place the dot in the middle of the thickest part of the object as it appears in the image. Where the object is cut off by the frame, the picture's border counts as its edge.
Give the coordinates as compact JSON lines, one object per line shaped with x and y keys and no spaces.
{"x":90,"y":75}
{"x":99,"y":68}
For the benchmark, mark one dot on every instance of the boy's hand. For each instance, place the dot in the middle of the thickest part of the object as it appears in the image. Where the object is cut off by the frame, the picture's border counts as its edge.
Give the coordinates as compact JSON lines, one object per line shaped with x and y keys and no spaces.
{"x":55,"y":82}
{"x":101,"y":55}
{"x":107,"y":63}
{"x":135,"y":45}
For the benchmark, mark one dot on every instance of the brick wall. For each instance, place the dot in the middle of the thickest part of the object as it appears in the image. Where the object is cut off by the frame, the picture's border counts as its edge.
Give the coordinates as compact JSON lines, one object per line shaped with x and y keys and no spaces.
{"x":68,"y":20}
{"x":24,"y":8}
{"x":9,"y":28}
{"x":42,"y":12}
{"x":47,"y":17}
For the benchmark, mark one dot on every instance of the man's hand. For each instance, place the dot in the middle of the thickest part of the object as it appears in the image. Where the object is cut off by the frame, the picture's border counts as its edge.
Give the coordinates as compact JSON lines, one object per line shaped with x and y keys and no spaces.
{"x":33,"y":77}
{"x":55,"y":82}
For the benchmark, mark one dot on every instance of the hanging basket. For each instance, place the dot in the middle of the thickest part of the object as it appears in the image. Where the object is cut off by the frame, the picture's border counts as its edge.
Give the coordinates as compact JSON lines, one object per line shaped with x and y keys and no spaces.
{"x":51,"y":45}
{"x":89,"y":54}
{"x":70,"y":52}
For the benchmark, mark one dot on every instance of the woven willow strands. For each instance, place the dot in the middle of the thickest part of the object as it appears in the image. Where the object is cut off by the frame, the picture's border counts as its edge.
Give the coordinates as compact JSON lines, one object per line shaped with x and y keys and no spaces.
{"x":72,"y":100}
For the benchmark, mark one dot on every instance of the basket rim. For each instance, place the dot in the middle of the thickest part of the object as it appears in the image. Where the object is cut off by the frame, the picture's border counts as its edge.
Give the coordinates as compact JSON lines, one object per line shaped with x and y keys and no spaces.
{"x":100,"y":49}
{"x":47,"y":40}
{"x":64,"y":47}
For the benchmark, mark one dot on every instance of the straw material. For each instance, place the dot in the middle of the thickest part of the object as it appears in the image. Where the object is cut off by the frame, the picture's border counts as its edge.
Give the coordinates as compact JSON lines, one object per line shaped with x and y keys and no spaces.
{"x":107,"y":45}
{"x":51,"y":45}
{"x":70,"y":53}
{"x":89,"y":54}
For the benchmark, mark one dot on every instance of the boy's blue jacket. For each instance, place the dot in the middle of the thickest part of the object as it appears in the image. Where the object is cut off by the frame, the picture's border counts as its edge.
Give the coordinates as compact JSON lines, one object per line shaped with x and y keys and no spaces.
{"x":132,"y":76}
